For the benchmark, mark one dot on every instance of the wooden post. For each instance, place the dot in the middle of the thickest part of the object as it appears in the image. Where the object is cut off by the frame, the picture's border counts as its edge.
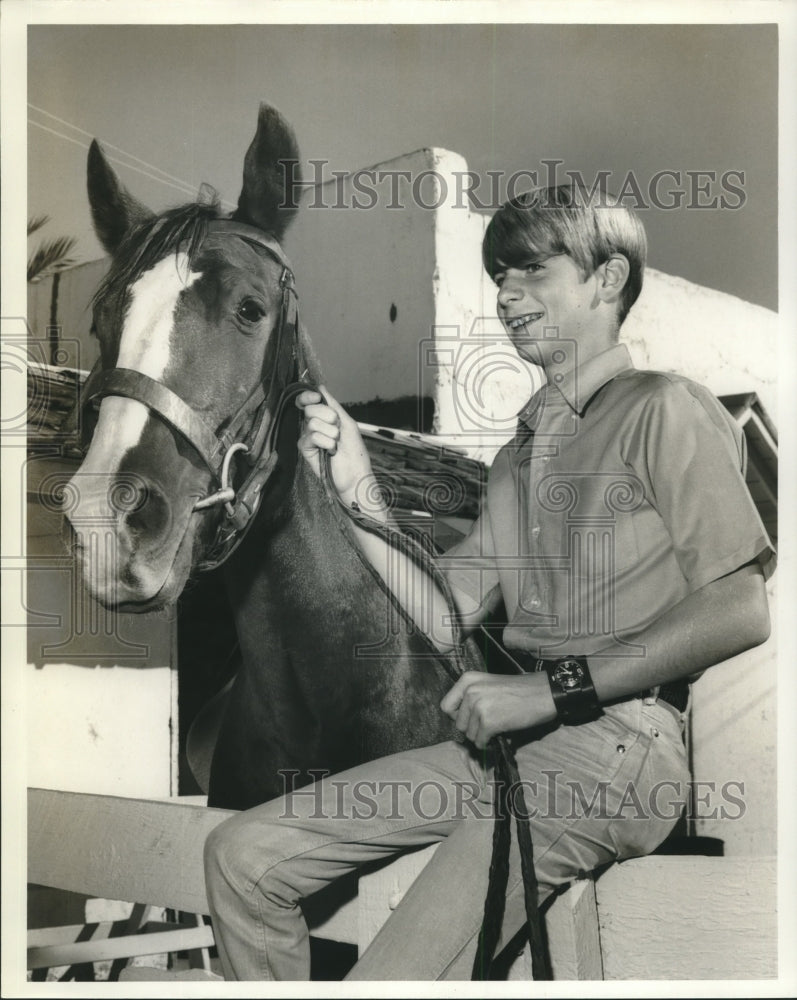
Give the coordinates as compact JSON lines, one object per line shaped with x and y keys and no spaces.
{"x":689,"y":918}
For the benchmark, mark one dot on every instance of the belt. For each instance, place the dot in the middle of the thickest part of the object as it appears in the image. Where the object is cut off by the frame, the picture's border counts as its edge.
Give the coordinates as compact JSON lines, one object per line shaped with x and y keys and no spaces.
{"x":674,"y":697}
{"x":674,"y":694}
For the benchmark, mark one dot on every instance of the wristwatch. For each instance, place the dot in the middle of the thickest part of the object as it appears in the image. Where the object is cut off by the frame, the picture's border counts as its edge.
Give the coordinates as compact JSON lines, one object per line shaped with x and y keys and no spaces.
{"x":572,"y":689}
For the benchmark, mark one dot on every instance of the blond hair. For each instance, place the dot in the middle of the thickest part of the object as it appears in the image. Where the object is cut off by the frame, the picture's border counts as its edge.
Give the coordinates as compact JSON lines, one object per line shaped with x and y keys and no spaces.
{"x":588,"y":226}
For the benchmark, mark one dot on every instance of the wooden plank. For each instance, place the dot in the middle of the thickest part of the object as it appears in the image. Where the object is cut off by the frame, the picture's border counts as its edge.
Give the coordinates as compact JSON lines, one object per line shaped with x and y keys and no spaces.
{"x":120,"y":947}
{"x":689,"y":918}
{"x":198,"y":958}
{"x":41,"y":937}
{"x":136,"y":850}
{"x":573,"y":935}
{"x":145,"y":974}
{"x":129,"y":926}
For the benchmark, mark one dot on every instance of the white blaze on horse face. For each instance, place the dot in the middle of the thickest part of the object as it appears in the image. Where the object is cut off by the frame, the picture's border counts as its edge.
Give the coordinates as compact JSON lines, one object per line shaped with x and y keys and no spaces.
{"x":144,"y":346}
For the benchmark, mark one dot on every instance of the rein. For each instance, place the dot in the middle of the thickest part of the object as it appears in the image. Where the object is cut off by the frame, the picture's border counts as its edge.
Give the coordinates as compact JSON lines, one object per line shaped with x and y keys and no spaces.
{"x":508,"y":784}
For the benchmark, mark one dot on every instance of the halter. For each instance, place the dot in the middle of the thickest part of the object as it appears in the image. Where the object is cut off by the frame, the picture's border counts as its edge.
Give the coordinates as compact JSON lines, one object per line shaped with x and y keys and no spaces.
{"x":259,"y":412}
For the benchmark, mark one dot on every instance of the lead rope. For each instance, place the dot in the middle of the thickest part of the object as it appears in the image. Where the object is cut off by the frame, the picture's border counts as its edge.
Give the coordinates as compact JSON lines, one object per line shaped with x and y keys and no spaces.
{"x":506,"y":770}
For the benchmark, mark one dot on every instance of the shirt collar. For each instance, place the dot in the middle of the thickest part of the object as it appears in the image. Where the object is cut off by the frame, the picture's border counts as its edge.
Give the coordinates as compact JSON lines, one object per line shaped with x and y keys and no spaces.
{"x":580,"y":385}
{"x":577,"y":387}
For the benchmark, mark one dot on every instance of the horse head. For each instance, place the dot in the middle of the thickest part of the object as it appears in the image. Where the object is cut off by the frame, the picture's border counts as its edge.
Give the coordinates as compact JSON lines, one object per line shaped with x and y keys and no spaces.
{"x":197,"y":329}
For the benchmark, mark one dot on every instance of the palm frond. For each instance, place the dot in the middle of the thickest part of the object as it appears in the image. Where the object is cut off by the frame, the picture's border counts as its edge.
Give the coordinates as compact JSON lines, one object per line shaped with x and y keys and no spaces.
{"x":36,"y":222}
{"x":51,"y":257}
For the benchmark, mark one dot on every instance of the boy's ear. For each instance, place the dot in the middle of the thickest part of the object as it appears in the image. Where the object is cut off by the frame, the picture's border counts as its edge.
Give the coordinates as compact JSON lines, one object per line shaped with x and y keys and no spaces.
{"x":612,"y":277}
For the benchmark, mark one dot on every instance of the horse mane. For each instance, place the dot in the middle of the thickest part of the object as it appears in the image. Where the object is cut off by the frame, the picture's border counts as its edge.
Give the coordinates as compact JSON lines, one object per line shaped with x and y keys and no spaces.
{"x":154,"y":239}
{"x":314,"y":371}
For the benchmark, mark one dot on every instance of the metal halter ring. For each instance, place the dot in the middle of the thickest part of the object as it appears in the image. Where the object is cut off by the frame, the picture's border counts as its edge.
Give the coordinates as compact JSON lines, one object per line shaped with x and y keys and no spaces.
{"x":226,"y":494}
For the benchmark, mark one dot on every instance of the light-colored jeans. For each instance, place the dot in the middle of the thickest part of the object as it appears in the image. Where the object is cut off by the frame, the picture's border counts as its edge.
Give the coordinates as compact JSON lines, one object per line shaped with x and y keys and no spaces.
{"x":597,"y":793}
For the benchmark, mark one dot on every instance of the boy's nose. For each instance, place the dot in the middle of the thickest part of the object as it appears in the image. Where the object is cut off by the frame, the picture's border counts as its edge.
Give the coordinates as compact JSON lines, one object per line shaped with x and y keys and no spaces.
{"x":509,"y":291}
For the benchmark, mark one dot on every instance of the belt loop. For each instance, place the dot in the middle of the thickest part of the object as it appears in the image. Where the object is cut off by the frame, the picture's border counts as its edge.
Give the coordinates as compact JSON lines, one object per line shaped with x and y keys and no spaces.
{"x":652,"y":696}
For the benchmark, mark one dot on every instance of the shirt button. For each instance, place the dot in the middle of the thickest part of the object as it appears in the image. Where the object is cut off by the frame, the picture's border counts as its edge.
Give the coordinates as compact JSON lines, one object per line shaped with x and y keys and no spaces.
{"x":620,"y":748}
{"x":535,"y":602}
{"x":535,"y":530}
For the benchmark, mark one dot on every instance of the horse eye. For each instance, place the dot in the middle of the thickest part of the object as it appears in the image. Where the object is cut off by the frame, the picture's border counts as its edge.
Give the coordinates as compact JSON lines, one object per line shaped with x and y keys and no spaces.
{"x":251,"y":311}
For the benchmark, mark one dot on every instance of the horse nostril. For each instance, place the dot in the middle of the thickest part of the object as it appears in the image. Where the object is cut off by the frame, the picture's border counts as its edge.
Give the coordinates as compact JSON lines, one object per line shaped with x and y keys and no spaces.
{"x":141,"y":507}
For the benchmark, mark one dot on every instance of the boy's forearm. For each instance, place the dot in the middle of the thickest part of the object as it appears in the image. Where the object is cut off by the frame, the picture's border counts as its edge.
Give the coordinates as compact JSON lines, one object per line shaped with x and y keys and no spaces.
{"x":711,"y":625}
{"x":414,"y":589}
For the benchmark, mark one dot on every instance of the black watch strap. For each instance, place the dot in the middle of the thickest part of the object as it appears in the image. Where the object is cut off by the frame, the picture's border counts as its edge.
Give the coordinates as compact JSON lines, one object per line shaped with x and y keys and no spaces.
{"x":572,"y":689}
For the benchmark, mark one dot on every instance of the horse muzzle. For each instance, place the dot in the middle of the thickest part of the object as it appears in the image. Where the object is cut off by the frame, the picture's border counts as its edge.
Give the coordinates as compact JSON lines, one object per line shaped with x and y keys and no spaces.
{"x":127,"y":538}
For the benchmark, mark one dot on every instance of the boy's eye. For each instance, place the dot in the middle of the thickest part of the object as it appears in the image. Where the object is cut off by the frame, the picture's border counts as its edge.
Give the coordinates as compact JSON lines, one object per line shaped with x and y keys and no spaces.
{"x":532,"y":267}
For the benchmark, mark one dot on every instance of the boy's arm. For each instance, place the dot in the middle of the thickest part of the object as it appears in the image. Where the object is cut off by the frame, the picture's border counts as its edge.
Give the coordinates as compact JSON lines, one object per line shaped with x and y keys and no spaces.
{"x":710,"y":625}
{"x":688,"y":452}
{"x":329,"y":428}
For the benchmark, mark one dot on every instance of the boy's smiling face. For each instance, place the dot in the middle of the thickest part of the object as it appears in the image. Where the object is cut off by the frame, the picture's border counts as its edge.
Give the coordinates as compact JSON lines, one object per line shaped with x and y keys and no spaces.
{"x":544,"y":293}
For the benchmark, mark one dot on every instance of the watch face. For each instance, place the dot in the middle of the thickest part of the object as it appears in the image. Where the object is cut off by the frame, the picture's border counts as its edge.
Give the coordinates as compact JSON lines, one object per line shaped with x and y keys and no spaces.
{"x":569,"y":675}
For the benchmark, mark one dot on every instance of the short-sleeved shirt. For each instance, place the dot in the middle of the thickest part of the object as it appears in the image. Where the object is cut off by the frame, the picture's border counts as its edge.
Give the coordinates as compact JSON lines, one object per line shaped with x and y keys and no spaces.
{"x":622,"y":492}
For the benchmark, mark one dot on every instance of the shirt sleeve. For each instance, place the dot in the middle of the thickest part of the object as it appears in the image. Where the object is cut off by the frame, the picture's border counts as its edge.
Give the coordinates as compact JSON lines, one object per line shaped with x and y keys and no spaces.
{"x":470,"y":563}
{"x":695,"y":462}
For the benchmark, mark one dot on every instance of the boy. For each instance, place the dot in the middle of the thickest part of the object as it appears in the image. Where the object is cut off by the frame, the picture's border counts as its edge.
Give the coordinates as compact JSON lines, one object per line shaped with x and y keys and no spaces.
{"x":620,"y":536}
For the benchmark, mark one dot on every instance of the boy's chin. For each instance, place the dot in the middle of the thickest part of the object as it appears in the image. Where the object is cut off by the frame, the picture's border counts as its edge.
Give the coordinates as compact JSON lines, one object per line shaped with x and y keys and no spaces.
{"x":529,"y":350}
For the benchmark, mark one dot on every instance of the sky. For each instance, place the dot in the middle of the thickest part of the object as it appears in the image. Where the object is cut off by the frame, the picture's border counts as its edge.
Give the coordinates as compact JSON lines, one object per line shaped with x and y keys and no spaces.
{"x":176,"y":104}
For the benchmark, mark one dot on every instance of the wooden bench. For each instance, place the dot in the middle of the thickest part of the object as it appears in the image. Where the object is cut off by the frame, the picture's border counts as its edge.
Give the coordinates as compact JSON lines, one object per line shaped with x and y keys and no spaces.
{"x":653,"y":918}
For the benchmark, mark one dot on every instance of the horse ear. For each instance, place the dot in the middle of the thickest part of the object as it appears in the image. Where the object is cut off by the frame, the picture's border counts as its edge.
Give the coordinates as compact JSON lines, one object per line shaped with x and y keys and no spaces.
{"x":113,"y":210}
{"x":268,"y":198}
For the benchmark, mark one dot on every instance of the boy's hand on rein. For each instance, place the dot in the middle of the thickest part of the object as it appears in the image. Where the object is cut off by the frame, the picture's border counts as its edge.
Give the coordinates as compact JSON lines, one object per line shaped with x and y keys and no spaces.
{"x":327,"y":427}
{"x":484,"y":705}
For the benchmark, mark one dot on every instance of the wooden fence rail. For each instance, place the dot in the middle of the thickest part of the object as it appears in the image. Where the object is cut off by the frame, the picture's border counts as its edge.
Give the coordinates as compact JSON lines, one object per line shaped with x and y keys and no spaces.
{"x":652,"y":918}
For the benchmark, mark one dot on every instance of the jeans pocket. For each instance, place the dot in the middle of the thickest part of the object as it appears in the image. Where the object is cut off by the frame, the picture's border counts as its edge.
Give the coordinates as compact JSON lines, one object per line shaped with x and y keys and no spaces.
{"x":652,"y":801}
{"x":619,"y":726}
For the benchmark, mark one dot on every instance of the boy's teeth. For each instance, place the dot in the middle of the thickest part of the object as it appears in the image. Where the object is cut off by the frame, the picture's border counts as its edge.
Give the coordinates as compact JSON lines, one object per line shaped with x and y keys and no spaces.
{"x":523,"y":320}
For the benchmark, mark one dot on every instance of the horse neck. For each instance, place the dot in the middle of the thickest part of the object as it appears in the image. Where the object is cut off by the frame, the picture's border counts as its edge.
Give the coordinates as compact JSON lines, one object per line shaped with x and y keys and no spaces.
{"x":294,"y":559}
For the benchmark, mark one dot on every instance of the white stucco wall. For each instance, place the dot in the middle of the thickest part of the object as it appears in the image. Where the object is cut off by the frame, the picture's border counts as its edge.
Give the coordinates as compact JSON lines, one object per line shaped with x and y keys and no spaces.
{"x":734,"y":749}
{"x":366,"y":293}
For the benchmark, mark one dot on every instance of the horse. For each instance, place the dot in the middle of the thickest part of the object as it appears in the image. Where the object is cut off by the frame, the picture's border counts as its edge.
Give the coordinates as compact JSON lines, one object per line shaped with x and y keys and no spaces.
{"x":192,"y":463}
